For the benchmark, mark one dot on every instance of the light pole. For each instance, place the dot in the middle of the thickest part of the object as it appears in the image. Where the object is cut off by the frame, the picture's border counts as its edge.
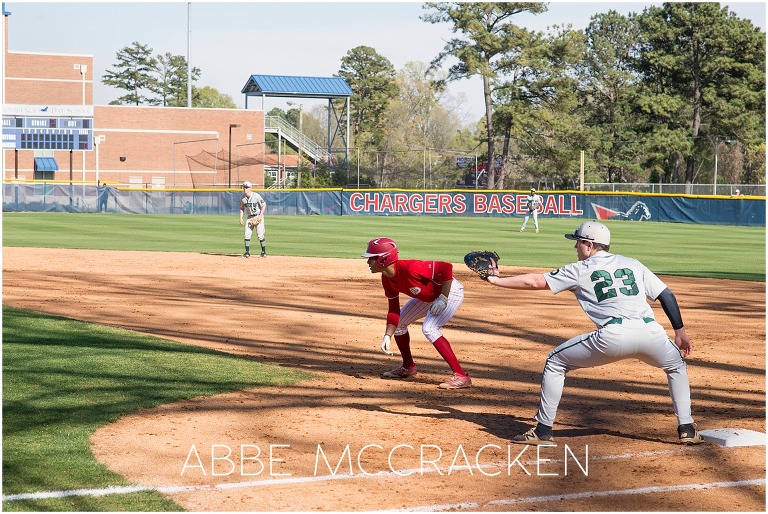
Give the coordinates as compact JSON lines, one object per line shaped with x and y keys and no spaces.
{"x":189,"y":65}
{"x":301,"y":138}
{"x":229,"y":180}
{"x":718,"y":140}
{"x":433,"y":162}
{"x":97,"y":141}
{"x":83,"y":70}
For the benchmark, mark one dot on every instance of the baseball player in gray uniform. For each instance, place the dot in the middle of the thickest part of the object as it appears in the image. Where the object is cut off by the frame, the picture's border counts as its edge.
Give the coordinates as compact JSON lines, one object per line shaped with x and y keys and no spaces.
{"x":612,"y":290}
{"x":253,"y":206}
{"x":534,"y":202}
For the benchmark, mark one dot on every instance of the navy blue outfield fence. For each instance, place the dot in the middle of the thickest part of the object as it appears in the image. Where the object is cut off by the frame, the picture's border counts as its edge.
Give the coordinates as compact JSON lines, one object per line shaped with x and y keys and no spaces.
{"x":711,"y":210}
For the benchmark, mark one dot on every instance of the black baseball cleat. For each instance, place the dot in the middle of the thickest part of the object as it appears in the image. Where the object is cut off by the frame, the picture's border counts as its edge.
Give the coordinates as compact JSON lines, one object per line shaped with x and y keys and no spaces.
{"x":689,"y":435}
{"x":246,"y":255}
{"x":531,"y":437}
{"x":263,"y":255}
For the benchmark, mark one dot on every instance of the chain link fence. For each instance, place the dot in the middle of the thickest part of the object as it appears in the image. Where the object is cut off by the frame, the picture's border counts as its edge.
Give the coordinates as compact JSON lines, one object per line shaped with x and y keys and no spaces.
{"x":677,"y":189}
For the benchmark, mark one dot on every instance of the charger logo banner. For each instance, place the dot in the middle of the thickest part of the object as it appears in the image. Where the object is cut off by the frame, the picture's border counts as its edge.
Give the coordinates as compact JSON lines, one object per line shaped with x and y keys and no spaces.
{"x":459,"y":204}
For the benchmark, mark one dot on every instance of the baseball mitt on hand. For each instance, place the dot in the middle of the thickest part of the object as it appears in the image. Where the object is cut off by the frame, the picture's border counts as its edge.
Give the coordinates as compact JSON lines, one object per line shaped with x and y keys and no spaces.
{"x":482,"y":262}
{"x":255,"y":221}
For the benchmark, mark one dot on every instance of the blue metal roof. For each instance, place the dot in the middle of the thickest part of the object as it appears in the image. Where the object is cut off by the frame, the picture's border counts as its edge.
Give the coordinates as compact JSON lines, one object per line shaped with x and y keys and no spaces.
{"x":46,"y":164}
{"x":303,"y":87}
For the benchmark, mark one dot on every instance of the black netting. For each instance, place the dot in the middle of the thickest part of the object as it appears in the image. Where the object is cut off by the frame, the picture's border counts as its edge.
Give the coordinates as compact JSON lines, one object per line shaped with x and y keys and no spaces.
{"x":209,"y":169}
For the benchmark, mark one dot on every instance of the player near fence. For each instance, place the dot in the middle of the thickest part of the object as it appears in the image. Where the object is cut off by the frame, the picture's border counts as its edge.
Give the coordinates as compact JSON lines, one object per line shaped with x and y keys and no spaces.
{"x":252,"y":209}
{"x":103,"y":193}
{"x":612,"y":290}
{"x":435,"y":295}
{"x":534,"y":202}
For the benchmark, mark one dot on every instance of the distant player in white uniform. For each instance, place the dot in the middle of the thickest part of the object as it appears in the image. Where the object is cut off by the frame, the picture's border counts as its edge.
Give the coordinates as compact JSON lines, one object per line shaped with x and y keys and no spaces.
{"x":534,"y":202}
{"x":612,"y":290}
{"x":252,"y":207}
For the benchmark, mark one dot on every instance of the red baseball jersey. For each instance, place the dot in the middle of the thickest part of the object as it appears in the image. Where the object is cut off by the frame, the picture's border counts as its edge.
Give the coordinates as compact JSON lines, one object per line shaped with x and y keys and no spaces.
{"x":422,"y":280}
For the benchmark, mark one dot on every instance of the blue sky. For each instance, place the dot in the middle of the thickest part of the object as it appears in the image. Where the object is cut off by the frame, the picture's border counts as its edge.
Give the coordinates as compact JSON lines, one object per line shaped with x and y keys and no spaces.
{"x":229,"y":41}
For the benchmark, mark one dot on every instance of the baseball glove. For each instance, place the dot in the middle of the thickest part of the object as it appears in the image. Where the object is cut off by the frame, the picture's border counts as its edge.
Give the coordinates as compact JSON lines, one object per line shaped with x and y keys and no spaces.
{"x":252,"y":222}
{"x":482,"y":262}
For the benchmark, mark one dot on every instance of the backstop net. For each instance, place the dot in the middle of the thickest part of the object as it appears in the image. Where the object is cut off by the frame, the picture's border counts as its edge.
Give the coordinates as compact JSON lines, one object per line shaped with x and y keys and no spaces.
{"x":209,"y":169}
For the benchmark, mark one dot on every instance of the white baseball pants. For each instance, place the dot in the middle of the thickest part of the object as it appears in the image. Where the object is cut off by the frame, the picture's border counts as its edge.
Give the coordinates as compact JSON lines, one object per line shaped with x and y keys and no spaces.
{"x":535,"y":213}
{"x":259,"y":230}
{"x":416,"y":309}
{"x":632,"y":339}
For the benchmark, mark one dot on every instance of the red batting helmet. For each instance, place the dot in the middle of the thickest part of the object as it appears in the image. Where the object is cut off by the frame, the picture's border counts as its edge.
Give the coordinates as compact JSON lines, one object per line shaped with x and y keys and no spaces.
{"x":384,"y":249}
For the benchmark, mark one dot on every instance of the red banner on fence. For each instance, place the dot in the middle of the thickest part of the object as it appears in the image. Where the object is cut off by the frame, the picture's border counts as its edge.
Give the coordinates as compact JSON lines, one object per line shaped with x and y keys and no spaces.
{"x":380,"y":202}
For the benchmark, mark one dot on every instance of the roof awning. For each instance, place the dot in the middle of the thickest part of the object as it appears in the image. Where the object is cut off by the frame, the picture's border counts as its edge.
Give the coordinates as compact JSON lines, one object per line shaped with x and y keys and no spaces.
{"x":299,"y":87}
{"x":46,"y":164}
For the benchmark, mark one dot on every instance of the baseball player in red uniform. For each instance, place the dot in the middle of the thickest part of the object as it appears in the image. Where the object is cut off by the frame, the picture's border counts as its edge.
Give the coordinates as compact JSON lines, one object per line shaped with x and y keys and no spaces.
{"x":434,"y":293}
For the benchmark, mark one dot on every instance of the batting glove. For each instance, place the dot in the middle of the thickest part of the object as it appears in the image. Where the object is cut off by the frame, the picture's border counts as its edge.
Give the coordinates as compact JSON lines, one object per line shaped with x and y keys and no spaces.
{"x":439,"y":305}
{"x":385,"y":345}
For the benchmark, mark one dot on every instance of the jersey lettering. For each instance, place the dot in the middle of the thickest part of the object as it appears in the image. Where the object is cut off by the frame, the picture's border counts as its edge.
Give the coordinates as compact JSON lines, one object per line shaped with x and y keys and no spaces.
{"x":604,"y":286}
{"x":252,"y":205}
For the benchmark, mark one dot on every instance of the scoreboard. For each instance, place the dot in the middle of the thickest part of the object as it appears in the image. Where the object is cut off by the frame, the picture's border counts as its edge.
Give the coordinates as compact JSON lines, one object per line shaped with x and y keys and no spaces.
{"x":37,"y":133}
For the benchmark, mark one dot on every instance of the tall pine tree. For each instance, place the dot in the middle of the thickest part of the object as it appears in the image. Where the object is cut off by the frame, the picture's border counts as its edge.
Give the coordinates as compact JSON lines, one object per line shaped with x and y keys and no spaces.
{"x":134,"y":73}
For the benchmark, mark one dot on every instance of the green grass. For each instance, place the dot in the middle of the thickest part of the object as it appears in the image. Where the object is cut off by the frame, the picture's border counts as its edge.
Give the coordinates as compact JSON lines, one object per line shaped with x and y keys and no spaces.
{"x":63,"y":379}
{"x":710,"y":251}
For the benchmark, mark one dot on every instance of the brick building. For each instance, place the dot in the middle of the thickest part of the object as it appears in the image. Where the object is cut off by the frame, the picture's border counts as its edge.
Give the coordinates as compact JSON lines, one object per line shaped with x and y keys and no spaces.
{"x":158,"y":147}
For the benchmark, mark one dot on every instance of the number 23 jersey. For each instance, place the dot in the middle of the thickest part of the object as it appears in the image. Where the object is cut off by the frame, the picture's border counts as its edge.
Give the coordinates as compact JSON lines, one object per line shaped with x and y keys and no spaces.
{"x":608,"y":286}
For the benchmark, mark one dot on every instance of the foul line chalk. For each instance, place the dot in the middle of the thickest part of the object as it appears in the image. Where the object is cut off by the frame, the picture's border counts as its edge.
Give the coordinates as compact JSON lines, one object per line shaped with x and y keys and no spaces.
{"x":590,"y":494}
{"x":42,"y":495}
{"x":640,"y":490}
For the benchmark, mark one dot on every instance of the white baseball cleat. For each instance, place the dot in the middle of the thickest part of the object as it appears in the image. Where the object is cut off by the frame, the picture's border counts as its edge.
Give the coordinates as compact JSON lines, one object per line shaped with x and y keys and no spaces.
{"x":456,"y":382}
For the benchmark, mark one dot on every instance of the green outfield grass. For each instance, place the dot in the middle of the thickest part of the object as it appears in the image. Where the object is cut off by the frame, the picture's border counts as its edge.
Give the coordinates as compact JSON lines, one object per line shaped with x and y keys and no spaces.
{"x":63,"y":379}
{"x":712,"y":251}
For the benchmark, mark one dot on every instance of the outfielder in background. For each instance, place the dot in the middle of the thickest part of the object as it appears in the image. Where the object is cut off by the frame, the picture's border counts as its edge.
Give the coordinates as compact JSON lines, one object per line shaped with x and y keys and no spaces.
{"x":612,"y":290}
{"x":534,"y":202}
{"x":253,"y":206}
{"x":434,"y":293}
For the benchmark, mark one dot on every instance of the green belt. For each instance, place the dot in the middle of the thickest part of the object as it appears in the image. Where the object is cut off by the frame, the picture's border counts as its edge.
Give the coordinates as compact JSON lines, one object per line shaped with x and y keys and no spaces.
{"x":617,"y":321}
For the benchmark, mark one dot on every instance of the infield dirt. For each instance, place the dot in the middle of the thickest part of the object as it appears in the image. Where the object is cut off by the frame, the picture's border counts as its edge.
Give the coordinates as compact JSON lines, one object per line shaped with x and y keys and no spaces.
{"x":327,"y":316}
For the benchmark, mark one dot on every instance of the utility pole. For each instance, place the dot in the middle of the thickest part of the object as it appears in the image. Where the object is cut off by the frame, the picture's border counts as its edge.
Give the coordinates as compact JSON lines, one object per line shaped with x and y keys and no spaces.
{"x":301,"y":139}
{"x":229,"y":159}
{"x":718,"y":140}
{"x":189,"y":64}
